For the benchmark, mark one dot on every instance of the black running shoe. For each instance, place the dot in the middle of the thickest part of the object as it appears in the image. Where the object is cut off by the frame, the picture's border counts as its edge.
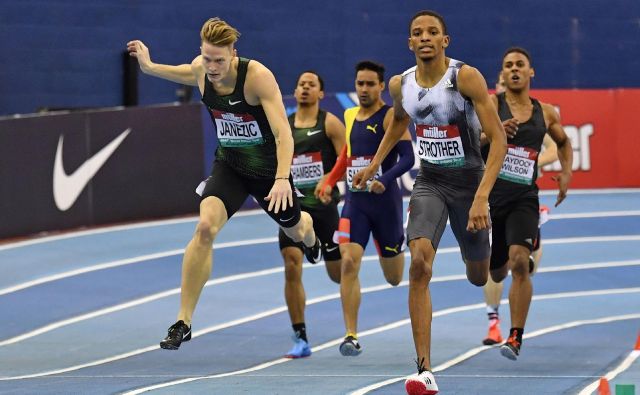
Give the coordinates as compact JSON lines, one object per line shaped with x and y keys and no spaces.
{"x":314,"y":254}
{"x":178,"y":333}
{"x":350,"y":347}
{"x":511,"y":348}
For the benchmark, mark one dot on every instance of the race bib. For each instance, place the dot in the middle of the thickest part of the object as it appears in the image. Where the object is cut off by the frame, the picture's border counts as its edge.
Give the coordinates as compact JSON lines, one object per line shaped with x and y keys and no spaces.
{"x":237,"y":130}
{"x":354,"y":165}
{"x":519,"y":164}
{"x":440,"y":145}
{"x":307,"y":169}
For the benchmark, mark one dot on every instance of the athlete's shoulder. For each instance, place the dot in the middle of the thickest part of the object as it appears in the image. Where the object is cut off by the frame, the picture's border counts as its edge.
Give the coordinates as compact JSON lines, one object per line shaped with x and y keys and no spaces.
{"x":408,"y":71}
{"x":256,"y":68}
{"x":549,"y":112}
{"x":456,"y":64}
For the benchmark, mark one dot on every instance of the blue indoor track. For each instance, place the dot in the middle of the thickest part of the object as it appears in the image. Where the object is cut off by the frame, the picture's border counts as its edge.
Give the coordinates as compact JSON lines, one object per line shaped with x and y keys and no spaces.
{"x":83,"y":312}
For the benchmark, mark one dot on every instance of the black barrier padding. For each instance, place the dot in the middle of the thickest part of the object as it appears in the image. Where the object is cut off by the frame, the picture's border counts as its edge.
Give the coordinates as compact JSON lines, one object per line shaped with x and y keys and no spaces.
{"x":152,"y":173}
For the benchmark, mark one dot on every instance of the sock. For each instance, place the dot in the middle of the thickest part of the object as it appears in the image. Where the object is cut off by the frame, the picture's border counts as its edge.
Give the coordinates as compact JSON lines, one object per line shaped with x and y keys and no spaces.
{"x":301,"y":331}
{"x":492,"y":312}
{"x":518,"y":332}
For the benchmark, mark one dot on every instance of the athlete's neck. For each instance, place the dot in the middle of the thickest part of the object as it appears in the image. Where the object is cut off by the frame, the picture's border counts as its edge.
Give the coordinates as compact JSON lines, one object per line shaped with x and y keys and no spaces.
{"x":518,"y":98}
{"x":307,"y":115}
{"x":226,"y":85}
{"x":366,"y":112}
{"x":430,"y":71}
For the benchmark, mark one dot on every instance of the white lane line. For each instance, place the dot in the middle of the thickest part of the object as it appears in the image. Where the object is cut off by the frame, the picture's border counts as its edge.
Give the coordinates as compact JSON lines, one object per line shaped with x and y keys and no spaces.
{"x":276,"y":270}
{"x":475,"y":351}
{"x":309,"y":302}
{"x":393,"y":326}
{"x":244,"y":213}
{"x":624,"y":365}
{"x":128,"y":261}
{"x":603,"y":191}
{"x":115,"y":228}
{"x":470,"y":376}
{"x":142,"y":258}
{"x":599,"y":214}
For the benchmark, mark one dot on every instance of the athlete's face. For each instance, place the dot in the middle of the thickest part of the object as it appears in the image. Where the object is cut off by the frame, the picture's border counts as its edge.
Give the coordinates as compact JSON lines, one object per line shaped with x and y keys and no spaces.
{"x":427,"y":38}
{"x":516,"y":71}
{"x":368,"y":87}
{"x":308,"y":89}
{"x":216,"y":60}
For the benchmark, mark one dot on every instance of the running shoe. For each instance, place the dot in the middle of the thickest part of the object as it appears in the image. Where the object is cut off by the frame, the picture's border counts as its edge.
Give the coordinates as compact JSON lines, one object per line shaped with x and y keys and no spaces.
{"x":350,"y":347}
{"x":422,"y":383}
{"x":314,"y":254}
{"x":511,"y":348}
{"x":494,"y":336}
{"x":178,"y":333}
{"x":300,"y":349}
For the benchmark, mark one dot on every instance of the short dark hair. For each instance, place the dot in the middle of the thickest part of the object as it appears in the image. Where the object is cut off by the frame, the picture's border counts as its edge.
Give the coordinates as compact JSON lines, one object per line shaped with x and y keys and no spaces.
{"x":373,"y":66}
{"x":517,"y":50}
{"x":314,"y":73}
{"x":429,"y":13}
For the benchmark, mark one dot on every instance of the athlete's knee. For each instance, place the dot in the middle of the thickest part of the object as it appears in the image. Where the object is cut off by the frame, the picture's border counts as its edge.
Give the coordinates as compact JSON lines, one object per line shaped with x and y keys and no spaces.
{"x":498,"y":275}
{"x":394,"y":269}
{"x":420,"y":269}
{"x":350,"y":267}
{"x":393,"y":279}
{"x":519,"y":261}
{"x":206,"y":232}
{"x":333,"y":270}
{"x":292,"y":267}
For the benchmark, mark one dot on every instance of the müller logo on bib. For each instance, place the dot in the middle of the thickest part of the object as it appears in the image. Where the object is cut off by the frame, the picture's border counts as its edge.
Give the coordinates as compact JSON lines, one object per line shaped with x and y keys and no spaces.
{"x":519,"y":165}
{"x":307,"y":169}
{"x":440,"y":145}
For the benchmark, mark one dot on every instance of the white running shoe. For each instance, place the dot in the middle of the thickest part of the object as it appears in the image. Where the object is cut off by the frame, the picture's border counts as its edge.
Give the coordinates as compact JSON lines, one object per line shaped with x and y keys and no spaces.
{"x":421,"y":384}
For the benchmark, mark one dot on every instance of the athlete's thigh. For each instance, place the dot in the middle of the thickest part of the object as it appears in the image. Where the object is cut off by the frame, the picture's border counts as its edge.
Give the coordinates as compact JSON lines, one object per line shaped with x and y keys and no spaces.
{"x":259,"y":188}
{"x":499,"y":247}
{"x":227,"y":185}
{"x":386,"y":227}
{"x":522,"y":223}
{"x":427,"y":214}
{"x":354,"y":226}
{"x":473,"y":246}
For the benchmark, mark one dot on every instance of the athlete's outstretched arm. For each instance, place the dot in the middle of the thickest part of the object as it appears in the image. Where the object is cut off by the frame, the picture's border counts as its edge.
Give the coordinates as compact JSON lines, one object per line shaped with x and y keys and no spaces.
{"x":406,"y":158}
{"x":472,"y":85}
{"x":263,"y":84}
{"x":399,"y":124}
{"x":565,"y":151}
{"x":182,"y":74}
{"x":336,"y":132}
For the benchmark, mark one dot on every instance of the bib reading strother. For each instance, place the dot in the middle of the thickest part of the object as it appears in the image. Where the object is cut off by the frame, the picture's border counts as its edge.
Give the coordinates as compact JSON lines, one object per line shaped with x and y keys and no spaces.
{"x":245,"y":140}
{"x":447,"y":127}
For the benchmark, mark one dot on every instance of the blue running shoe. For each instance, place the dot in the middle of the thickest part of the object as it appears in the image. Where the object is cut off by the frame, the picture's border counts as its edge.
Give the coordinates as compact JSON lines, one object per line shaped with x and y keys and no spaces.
{"x":300,"y":349}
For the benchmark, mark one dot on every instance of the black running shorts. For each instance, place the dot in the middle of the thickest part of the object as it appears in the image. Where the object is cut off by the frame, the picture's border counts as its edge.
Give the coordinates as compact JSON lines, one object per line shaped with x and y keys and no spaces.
{"x":325,"y":223}
{"x":233,"y":189}
{"x":515,"y":223}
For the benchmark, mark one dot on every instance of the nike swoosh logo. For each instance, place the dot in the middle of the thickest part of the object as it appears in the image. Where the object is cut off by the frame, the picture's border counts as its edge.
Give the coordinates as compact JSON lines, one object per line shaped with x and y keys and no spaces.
{"x":67,"y":187}
{"x":332,"y":249}
{"x":233,"y":103}
{"x":311,"y":133}
{"x":287,"y":220}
